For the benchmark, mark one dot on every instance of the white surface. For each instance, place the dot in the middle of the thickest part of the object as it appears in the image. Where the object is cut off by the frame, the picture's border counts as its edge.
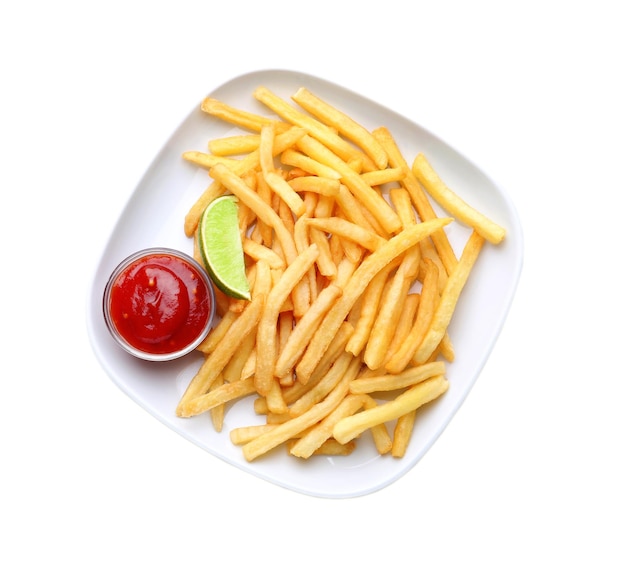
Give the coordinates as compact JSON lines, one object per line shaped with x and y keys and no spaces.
{"x":171,"y":186}
{"x":531,"y":467}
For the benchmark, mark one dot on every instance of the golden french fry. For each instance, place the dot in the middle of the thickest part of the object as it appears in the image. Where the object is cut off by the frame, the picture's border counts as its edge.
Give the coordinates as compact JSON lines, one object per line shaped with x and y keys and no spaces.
{"x":274,"y":397}
{"x":315,"y":128}
{"x":192,"y":218}
{"x":275,"y":181}
{"x":334,"y":448}
{"x":453,"y":204}
{"x":449,"y":298}
{"x":381,"y":437}
{"x":236,"y":144}
{"x":418,"y":395}
{"x":418,"y":196}
{"x":259,"y":251}
{"x":292,"y":157}
{"x":446,"y":348}
{"x":217,"y":412}
{"x":245,"y":434}
{"x":338,"y":120}
{"x":235,"y":116}
{"x":207,"y":161}
{"x":407,"y":378}
{"x":348,"y":230}
{"x":386,"y":176}
{"x":324,"y":186}
{"x":402,"y":433}
{"x":218,"y":396}
{"x":325,"y":263}
{"x":217,"y":332}
{"x":284,"y":190}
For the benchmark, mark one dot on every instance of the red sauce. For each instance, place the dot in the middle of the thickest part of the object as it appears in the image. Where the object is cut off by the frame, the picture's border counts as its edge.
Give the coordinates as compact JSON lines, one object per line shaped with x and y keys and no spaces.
{"x":159,"y":304}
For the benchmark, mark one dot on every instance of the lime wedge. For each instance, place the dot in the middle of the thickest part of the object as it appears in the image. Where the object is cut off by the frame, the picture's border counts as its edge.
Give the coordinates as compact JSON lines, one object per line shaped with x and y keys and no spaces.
{"x":221,"y":248}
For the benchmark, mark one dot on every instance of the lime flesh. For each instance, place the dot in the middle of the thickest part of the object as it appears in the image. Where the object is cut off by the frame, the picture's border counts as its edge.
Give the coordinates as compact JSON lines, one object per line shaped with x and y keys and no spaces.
{"x":221,"y":249}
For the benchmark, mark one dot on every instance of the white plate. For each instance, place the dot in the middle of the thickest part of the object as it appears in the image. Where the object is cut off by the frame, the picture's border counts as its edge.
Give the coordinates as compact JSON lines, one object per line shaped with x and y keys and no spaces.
{"x":154,"y":217}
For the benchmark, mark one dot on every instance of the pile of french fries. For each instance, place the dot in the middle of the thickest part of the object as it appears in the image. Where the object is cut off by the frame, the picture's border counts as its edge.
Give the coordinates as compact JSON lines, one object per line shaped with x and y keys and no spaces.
{"x":353,"y":280}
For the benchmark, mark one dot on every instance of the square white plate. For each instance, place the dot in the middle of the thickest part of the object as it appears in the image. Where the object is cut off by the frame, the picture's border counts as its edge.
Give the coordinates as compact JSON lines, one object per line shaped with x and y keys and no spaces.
{"x":154,"y":216}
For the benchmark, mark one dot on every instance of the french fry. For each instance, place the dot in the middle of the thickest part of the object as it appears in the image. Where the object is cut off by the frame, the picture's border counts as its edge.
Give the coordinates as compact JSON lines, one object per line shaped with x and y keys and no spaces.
{"x":333,"y":448}
{"x":449,"y":298}
{"x":237,"y":144}
{"x":453,"y":204}
{"x":235,"y":116}
{"x":292,"y":157}
{"x":192,"y":218}
{"x":422,"y":393}
{"x":418,"y":196}
{"x":274,"y":396}
{"x":245,"y":434}
{"x":393,"y":382}
{"x":217,"y":332}
{"x":343,"y":123}
{"x":402,"y":433}
{"x":315,"y":128}
{"x":381,"y":437}
{"x":217,"y":412}
{"x":275,"y":181}
{"x":348,"y":230}
{"x":207,"y":161}
{"x":218,"y":396}
{"x":258,"y":251}
{"x":385,"y":176}
{"x":328,"y":187}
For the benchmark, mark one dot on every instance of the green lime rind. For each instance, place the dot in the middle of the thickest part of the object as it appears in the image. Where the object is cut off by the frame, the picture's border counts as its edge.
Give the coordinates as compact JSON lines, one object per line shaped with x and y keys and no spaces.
{"x":221,"y":249}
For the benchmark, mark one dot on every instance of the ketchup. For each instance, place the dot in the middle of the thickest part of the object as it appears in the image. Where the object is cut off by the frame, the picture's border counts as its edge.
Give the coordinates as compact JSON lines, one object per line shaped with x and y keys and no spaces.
{"x":160,"y":303}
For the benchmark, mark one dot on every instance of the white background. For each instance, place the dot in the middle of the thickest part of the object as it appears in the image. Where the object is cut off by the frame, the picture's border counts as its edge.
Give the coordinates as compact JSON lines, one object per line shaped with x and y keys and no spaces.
{"x":532,"y":466}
